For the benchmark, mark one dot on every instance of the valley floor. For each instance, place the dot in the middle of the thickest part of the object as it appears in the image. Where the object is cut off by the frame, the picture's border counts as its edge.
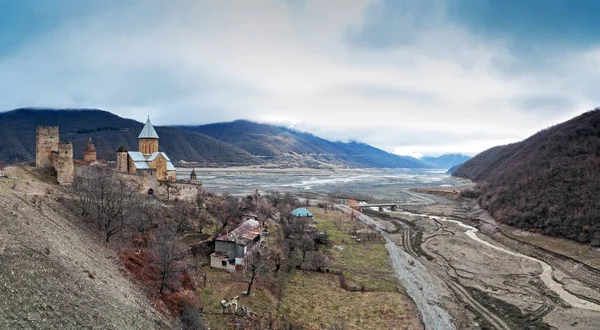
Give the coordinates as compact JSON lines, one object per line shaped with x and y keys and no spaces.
{"x":489,"y":279}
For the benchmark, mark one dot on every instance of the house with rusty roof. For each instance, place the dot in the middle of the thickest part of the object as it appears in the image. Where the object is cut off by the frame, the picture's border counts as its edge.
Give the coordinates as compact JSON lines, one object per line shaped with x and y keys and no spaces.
{"x":232,"y":248}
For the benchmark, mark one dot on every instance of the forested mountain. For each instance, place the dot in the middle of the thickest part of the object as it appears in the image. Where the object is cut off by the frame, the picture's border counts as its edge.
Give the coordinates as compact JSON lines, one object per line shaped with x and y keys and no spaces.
{"x":271,"y":141}
{"x":446,"y":161}
{"x":109,"y":131}
{"x":549,"y":182}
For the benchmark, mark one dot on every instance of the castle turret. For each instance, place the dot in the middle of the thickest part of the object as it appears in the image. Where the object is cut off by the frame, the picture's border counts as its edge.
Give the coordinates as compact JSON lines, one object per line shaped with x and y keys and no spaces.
{"x":148,"y":139}
{"x":89,"y":153}
{"x":64,"y":166}
{"x":193,"y":176}
{"x":122,"y":161}
{"x":46,"y":141}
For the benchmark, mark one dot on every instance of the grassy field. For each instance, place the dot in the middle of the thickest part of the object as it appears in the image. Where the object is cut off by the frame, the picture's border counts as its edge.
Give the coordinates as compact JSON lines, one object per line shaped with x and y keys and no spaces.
{"x":316,"y":300}
{"x":580,"y":252}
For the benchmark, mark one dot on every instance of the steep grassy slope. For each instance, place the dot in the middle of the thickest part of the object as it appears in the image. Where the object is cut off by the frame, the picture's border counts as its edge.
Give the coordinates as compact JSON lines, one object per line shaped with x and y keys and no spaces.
{"x":549,"y":182}
{"x":53,"y":273}
{"x":271,"y":141}
{"x":17,"y":136}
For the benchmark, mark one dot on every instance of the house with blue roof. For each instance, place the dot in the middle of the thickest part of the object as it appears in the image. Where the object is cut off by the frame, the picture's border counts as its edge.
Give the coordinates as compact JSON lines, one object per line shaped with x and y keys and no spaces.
{"x":147,"y":160}
{"x":301,"y":212}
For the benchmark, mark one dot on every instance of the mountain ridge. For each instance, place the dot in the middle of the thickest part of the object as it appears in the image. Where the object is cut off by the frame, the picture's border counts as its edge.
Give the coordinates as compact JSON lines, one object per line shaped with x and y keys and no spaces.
{"x":446,"y":161}
{"x":269,"y":141}
{"x":548,"y":182}
{"x":258,"y":144}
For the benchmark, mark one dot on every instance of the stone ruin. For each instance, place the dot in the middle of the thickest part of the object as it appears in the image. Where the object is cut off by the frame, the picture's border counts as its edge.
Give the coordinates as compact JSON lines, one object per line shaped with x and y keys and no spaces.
{"x":50,"y":152}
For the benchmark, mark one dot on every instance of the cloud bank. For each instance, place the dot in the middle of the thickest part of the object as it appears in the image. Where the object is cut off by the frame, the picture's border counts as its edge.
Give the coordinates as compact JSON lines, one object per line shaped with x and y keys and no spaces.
{"x":409,"y":76}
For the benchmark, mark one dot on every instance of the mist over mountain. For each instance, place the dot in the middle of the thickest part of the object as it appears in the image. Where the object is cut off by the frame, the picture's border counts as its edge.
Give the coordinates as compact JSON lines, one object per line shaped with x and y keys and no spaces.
{"x":549,"y":182}
{"x":446,"y":161}
{"x":271,"y":141}
{"x":224,"y":144}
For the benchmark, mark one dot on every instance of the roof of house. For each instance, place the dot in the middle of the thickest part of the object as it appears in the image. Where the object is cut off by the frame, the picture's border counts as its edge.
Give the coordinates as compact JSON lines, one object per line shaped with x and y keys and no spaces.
{"x":141,"y":163}
{"x":301,"y":212}
{"x":148,"y":131}
{"x":243,"y":234}
{"x":90,"y":146}
{"x":136,"y":156}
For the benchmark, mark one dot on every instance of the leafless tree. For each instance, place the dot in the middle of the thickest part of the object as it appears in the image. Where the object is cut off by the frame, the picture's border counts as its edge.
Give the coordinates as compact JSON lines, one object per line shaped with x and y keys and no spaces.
{"x":254,"y":262}
{"x":107,"y":200}
{"x":184,"y":216}
{"x":263,"y":210}
{"x":171,"y":189}
{"x":304,"y":244}
{"x":319,"y":261}
{"x":167,"y":256}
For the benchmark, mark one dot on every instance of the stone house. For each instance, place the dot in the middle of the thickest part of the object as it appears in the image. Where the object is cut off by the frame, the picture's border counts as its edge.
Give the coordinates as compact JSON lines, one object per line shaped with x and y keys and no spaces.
{"x":232,"y":248}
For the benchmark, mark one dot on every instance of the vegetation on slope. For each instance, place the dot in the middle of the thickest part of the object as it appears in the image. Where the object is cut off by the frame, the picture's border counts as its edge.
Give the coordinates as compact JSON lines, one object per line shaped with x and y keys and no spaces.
{"x":549,"y":182}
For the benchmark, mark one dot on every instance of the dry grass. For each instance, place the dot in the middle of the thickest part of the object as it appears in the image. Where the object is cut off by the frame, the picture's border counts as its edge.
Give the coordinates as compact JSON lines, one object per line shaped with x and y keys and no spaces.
{"x":318,"y":302}
{"x":580,"y":252}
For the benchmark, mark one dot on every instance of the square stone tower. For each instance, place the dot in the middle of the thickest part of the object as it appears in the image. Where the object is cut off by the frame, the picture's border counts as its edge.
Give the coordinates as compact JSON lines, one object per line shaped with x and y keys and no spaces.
{"x":46,"y":141}
{"x":64,"y":164}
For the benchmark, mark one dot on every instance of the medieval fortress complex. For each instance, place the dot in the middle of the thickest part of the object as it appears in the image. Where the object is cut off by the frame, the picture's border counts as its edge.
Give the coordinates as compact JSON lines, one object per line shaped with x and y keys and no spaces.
{"x":148,"y":161}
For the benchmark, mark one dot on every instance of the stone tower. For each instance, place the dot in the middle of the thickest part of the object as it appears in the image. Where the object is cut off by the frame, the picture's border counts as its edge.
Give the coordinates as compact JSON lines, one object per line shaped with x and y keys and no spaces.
{"x":64,"y":164}
{"x":193,"y":176}
{"x":122,"y":160}
{"x":148,"y":139}
{"x":89,"y":153}
{"x":46,"y":141}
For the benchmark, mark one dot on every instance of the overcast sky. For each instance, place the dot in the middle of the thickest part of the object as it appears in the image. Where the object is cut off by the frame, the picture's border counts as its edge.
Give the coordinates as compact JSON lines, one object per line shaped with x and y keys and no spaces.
{"x":411,"y":77}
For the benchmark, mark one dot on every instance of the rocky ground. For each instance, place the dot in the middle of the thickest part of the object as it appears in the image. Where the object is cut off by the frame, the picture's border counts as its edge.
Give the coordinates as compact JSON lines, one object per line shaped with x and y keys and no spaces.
{"x":484,"y":287}
{"x":53,"y":273}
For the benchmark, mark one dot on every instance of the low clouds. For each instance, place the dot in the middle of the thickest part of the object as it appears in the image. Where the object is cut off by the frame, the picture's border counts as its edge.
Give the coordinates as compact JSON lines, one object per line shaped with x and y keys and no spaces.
{"x":413,"y":77}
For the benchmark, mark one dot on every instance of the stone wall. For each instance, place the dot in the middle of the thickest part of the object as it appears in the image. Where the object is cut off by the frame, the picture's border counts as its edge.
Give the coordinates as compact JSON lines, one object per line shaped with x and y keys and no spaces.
{"x":64,"y":164}
{"x":46,"y":141}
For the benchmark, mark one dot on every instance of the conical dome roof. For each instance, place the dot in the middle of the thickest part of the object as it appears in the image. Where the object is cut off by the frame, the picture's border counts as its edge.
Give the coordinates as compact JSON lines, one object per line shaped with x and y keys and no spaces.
{"x":148,"y":131}
{"x":90,"y":146}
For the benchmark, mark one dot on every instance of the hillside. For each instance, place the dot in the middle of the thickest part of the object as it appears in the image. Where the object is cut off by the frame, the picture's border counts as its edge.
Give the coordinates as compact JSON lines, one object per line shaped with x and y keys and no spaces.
{"x":549,"y":182}
{"x":446,"y":161}
{"x":54,"y":273}
{"x":272,"y":141}
{"x":109,"y":131}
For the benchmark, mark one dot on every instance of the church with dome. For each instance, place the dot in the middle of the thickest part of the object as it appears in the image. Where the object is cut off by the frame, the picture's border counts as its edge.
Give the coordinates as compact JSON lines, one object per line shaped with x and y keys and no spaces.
{"x":147,"y":160}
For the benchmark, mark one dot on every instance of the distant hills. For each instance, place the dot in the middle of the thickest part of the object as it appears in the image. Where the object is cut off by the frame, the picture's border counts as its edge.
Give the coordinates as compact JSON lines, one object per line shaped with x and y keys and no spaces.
{"x":109,"y":131}
{"x":224,"y":144}
{"x":446,"y":161}
{"x":273,"y":142}
{"x":549,"y":182}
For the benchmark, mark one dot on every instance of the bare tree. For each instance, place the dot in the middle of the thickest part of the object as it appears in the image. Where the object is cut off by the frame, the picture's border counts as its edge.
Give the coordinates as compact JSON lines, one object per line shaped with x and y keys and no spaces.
{"x":105,"y":199}
{"x":167,"y":256}
{"x":263,"y":210}
{"x":305,"y":243}
{"x":254,"y":262}
{"x":319,"y":261}
{"x":184,"y":216}
{"x":171,"y":189}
